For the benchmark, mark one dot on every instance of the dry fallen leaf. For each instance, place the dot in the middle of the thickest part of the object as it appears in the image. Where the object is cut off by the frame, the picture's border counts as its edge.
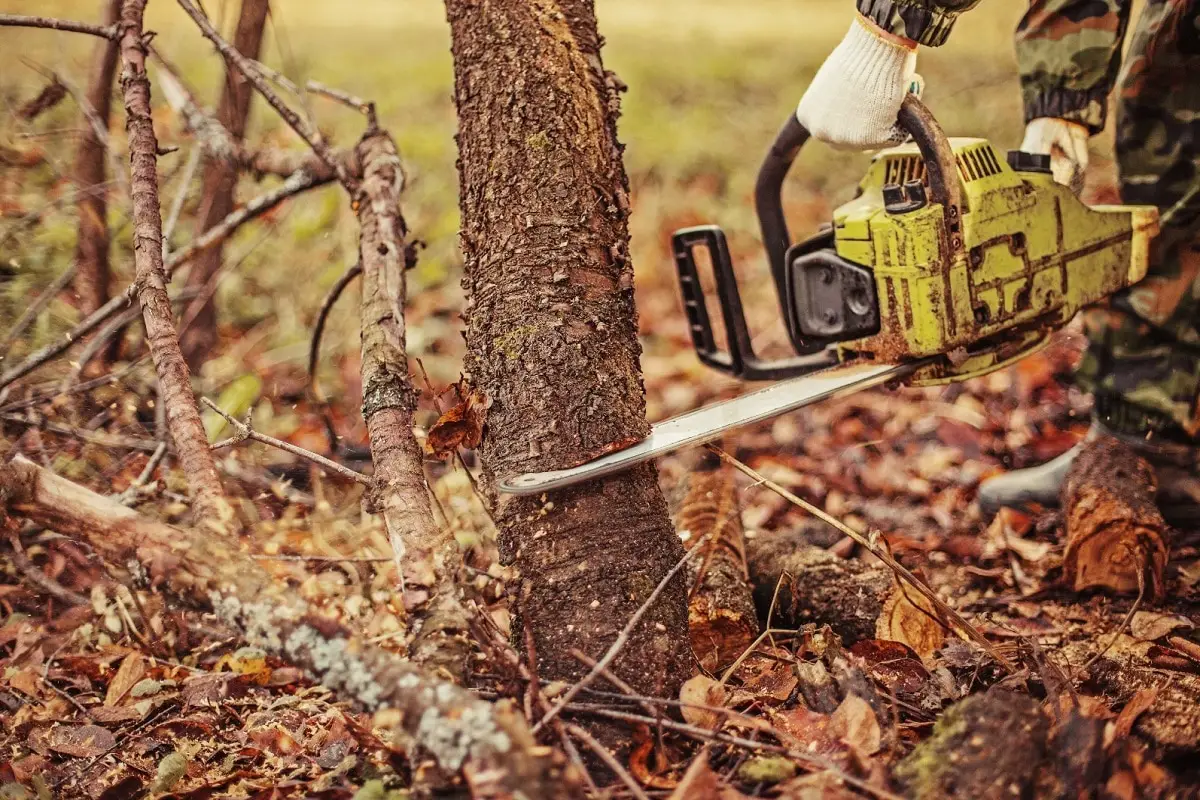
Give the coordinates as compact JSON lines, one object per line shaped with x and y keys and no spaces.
{"x":702,"y":690}
{"x":700,"y":782}
{"x":84,"y":741}
{"x":902,"y":620}
{"x":855,"y":724}
{"x":461,"y":426}
{"x":1151,"y":625}
{"x":132,"y":669}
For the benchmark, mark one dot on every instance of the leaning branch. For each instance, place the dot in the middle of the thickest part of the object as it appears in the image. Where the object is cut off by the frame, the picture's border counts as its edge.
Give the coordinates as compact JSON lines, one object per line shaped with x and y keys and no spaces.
{"x":491,"y":744}
{"x":183,"y":415}
{"x":25,"y":21}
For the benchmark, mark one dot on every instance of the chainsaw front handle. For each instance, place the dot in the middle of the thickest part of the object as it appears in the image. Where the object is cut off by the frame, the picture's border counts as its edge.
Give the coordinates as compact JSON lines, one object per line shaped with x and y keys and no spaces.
{"x":918,"y":122}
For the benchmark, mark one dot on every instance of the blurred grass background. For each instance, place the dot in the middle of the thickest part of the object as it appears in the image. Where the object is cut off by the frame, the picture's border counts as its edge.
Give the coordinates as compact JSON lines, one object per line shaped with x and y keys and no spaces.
{"x":710,"y":81}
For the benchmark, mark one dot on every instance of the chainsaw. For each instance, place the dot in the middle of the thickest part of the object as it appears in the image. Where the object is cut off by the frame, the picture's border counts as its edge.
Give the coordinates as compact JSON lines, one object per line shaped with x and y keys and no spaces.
{"x":951,"y":262}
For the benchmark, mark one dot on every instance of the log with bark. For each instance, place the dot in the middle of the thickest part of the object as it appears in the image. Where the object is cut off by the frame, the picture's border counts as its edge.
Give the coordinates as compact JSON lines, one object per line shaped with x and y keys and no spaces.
{"x":218,"y":181}
{"x":798,"y":584}
{"x":552,"y":336}
{"x":1116,"y":536}
{"x":489,"y":743}
{"x":721,"y":616}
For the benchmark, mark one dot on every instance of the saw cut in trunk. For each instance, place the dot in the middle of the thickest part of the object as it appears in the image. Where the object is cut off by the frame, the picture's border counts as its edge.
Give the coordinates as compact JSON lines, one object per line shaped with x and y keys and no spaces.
{"x":552,"y":337}
{"x":1116,"y":536}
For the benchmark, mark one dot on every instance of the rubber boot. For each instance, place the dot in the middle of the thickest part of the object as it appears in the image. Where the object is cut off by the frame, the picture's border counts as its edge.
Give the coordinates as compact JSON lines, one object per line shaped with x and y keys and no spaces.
{"x":1175,"y":465}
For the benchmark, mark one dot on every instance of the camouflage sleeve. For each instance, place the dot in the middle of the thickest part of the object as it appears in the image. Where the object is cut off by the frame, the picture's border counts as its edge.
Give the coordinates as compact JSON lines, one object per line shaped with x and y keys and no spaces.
{"x":926,"y":22}
{"x":1068,"y":54}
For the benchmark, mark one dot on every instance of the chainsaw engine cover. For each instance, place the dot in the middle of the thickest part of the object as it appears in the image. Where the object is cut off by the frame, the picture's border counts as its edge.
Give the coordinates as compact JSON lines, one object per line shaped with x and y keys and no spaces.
{"x":832,"y":298}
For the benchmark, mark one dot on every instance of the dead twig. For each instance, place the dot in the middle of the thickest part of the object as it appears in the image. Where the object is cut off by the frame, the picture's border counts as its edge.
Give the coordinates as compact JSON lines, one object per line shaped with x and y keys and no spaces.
{"x":25,"y":21}
{"x":244,"y":432}
{"x":883,"y":555}
{"x":254,"y":76}
{"x":298,"y":182}
{"x":605,"y":755}
{"x":314,"y":348}
{"x":35,"y":308}
{"x":345,"y":98}
{"x":40,"y":579}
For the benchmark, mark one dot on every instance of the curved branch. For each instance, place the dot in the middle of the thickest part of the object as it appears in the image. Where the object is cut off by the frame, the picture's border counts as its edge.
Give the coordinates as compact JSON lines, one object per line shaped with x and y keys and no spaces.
{"x":26,"y":21}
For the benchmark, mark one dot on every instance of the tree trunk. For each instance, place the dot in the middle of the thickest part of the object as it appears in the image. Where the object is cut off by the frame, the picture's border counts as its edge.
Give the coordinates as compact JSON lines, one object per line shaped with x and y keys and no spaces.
{"x":552,"y":335}
{"x":219,"y":180}
{"x":91,"y":249}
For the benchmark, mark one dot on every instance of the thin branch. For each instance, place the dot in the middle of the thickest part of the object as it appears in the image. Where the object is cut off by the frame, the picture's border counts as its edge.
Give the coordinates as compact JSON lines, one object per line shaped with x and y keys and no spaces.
{"x":298,"y":182}
{"x":883,"y":555}
{"x":618,"y":643}
{"x":57,"y":392}
{"x":40,"y":579}
{"x":314,"y":349}
{"x":245,"y":432}
{"x":254,"y":76}
{"x":345,"y":98}
{"x":35,"y":308}
{"x":25,"y":21}
{"x":609,"y":759}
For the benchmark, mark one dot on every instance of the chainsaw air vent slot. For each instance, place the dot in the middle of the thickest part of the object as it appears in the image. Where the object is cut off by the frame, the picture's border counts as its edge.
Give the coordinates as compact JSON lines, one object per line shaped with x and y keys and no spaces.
{"x":904,"y":169}
{"x":977,"y":162}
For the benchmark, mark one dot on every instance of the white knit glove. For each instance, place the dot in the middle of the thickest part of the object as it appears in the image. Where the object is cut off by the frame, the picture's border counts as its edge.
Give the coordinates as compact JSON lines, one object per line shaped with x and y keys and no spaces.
{"x":855,"y":97}
{"x":1065,"y":142}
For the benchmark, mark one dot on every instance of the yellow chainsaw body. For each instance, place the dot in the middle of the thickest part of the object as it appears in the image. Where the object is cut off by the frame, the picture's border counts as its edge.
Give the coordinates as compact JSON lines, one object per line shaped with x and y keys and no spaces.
{"x":1027,"y":256}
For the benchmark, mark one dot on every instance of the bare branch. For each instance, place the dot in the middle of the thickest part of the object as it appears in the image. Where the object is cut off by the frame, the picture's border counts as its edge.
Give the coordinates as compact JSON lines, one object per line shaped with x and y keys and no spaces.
{"x":345,"y":98}
{"x":314,"y":349}
{"x":244,"y":431}
{"x":25,"y":21}
{"x":183,"y":415}
{"x":254,"y":76}
{"x":295,"y":184}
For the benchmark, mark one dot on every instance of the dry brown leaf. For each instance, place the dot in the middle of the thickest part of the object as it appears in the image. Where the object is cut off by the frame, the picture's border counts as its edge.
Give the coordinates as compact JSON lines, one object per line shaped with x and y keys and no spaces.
{"x":702,"y":690}
{"x":1151,"y":625}
{"x":461,"y":426}
{"x":1140,"y":703}
{"x":26,"y":680}
{"x":855,"y":724}
{"x":817,"y":786}
{"x":132,"y":670}
{"x":83,"y":741}
{"x":902,"y":620}
{"x":769,"y":674}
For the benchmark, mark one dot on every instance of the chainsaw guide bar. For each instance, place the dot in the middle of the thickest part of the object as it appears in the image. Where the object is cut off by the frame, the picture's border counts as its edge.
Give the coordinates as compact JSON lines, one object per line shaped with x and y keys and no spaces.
{"x":709,"y":423}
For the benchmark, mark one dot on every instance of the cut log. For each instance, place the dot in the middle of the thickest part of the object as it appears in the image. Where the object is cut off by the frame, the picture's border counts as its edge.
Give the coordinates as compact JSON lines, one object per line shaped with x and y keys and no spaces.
{"x":816,"y":587}
{"x":721,"y":616}
{"x":1116,"y":536}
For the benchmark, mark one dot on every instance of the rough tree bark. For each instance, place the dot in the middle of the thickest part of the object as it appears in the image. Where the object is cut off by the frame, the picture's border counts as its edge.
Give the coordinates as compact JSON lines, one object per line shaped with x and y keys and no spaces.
{"x":489,"y":743}
{"x":552,"y":335}
{"x":427,"y":557}
{"x":91,"y":249}
{"x":219,"y":180}
{"x":183,"y":415}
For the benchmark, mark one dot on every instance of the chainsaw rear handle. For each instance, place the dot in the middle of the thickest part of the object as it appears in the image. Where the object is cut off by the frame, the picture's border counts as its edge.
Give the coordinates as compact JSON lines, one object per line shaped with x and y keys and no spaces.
{"x":917,"y":121}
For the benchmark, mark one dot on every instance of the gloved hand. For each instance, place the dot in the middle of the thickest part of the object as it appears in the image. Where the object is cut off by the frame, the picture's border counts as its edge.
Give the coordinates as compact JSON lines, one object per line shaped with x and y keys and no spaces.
{"x":855,"y":97}
{"x":1065,"y":142}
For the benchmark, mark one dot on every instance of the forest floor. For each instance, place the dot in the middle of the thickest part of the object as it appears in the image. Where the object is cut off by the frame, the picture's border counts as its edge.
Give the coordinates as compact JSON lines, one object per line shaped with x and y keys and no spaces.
{"x":106,"y":692}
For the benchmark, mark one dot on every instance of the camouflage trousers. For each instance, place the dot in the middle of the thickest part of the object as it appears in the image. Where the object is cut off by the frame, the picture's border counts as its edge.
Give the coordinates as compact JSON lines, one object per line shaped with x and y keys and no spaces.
{"x":1143,"y":357}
